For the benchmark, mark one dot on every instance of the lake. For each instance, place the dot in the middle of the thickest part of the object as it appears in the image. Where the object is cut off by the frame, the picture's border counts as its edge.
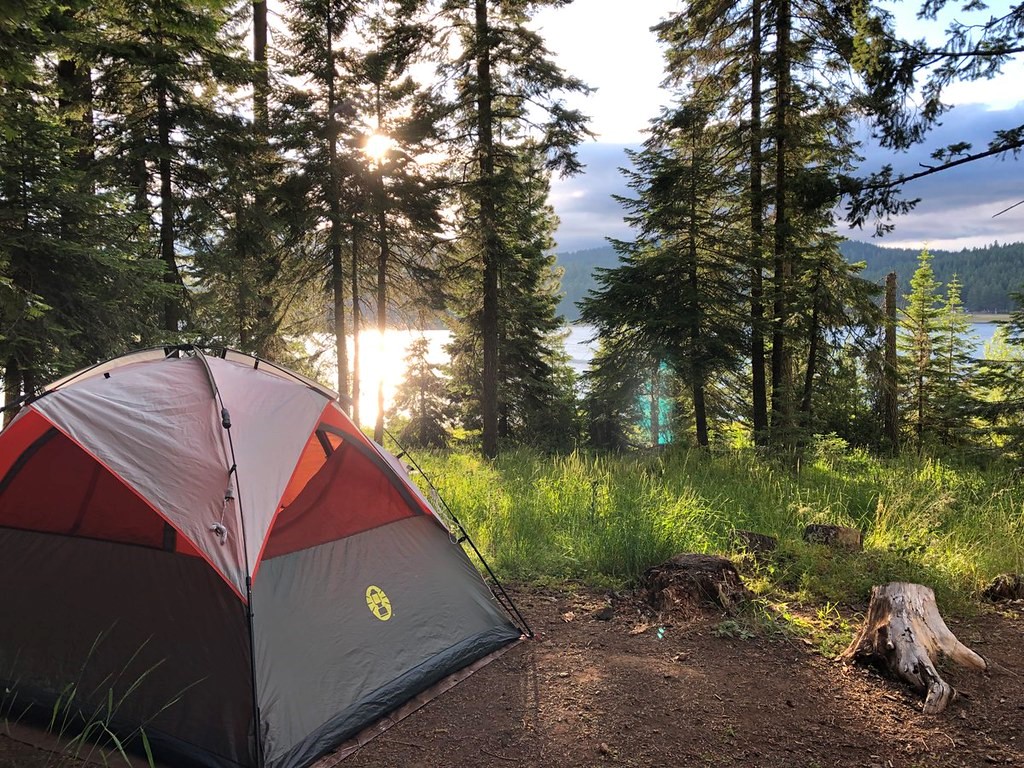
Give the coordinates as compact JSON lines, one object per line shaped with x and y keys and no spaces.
{"x":384,"y":357}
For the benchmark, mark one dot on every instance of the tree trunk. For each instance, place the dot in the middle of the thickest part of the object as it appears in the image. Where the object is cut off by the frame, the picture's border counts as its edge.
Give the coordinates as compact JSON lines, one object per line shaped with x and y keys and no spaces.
{"x":356,"y":322}
{"x":382,"y":295}
{"x":12,"y":388}
{"x":759,"y":392}
{"x":172,"y":303}
{"x":700,"y":416}
{"x":334,"y":212}
{"x":814,"y":340}
{"x":261,"y":81}
{"x":268,"y":265}
{"x":687,"y":582}
{"x":656,"y":404}
{"x":890,"y":402}
{"x":904,"y":634}
{"x":782,"y":389}
{"x":487,"y":227}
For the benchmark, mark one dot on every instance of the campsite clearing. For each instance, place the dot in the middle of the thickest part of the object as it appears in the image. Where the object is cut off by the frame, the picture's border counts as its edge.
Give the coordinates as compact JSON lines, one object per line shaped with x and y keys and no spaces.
{"x":591,"y":692}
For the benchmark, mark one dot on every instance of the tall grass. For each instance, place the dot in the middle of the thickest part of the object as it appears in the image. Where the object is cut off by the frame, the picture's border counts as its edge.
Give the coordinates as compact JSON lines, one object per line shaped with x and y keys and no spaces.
{"x":605,"y":518}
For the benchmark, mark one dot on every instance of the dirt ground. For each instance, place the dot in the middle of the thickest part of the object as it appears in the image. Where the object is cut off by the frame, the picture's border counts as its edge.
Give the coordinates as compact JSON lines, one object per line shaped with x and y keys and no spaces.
{"x":591,"y":690}
{"x":588,"y":692}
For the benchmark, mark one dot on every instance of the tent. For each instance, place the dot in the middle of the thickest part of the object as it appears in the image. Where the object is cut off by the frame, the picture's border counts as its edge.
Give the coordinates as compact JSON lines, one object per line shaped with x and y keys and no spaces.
{"x":206,"y":547}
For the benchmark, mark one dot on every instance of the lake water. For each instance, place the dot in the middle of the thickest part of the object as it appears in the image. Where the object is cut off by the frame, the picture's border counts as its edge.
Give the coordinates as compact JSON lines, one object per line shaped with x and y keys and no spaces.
{"x":383,"y":357}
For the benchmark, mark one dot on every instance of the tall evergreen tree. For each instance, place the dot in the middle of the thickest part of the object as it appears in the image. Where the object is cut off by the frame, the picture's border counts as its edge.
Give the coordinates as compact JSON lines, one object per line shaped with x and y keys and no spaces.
{"x":161,"y":67}
{"x":311,"y":126}
{"x":676,"y":286}
{"x":536,"y":396}
{"x":74,"y":286}
{"x":505,"y":83}
{"x":954,"y":369}
{"x":916,"y":342}
{"x":423,"y":396}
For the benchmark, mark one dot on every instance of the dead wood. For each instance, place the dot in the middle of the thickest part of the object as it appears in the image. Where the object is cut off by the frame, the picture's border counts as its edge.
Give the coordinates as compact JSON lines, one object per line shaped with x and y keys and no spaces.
{"x":838,"y":536}
{"x":1005,"y":586}
{"x":688,"y":581}
{"x":904,"y":635}
{"x":757,"y":544}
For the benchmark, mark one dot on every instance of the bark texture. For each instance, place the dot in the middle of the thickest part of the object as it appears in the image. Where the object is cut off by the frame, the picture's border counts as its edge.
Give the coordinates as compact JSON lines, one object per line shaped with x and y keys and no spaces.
{"x":904,"y":634}
{"x":689,"y":581}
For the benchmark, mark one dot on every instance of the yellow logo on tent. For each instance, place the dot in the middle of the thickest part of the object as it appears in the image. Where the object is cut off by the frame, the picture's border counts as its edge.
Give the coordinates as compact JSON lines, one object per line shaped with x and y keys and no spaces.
{"x":378,"y":602}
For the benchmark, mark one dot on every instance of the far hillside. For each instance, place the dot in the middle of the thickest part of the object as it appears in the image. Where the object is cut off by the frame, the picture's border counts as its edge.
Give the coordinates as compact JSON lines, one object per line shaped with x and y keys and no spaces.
{"x":988,"y":274}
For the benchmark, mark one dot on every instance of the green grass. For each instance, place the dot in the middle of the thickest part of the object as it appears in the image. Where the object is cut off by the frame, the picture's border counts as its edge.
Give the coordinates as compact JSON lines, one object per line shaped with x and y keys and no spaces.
{"x":604,"y":519}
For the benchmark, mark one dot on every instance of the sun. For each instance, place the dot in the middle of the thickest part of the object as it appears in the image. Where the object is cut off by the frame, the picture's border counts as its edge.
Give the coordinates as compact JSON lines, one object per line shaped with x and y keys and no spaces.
{"x":377,"y":146}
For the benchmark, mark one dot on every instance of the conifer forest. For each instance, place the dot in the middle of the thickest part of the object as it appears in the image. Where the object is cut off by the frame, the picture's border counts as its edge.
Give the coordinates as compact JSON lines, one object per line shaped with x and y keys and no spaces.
{"x":256,"y":175}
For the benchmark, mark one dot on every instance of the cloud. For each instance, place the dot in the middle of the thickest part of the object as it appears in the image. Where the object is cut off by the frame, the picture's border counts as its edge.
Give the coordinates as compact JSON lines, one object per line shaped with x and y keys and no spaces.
{"x":957,"y":205}
{"x":956,"y":209}
{"x":584,"y":204}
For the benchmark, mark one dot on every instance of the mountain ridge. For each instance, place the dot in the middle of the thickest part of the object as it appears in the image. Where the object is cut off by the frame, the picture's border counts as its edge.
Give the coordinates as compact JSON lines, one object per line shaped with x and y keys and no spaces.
{"x":988,"y":274}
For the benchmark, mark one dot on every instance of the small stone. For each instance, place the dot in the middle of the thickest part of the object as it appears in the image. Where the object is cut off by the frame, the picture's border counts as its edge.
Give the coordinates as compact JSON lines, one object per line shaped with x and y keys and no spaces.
{"x":603,"y":749}
{"x":563,"y":674}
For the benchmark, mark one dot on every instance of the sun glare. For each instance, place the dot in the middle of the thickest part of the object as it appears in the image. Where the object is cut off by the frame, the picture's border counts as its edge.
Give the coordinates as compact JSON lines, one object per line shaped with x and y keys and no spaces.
{"x":377,"y":146}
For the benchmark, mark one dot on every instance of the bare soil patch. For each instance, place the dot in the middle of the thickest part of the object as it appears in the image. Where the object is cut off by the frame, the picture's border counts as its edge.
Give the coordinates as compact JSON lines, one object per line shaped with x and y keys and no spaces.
{"x":616,"y":686}
{"x":589,"y":692}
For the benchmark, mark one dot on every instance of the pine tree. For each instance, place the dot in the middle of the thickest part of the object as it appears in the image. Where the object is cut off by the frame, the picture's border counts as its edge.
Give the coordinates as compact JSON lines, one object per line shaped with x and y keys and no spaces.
{"x":954,"y":369}
{"x":536,"y":401}
{"x":73,"y":286}
{"x":676,"y":286}
{"x":162,"y":67}
{"x":423,"y":396}
{"x":506,"y":83}
{"x":917,"y":339}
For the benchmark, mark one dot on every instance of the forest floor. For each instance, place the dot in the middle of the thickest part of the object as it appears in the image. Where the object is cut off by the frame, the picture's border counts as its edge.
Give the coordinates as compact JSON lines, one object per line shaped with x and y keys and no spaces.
{"x":704,"y":691}
{"x":616,"y":685}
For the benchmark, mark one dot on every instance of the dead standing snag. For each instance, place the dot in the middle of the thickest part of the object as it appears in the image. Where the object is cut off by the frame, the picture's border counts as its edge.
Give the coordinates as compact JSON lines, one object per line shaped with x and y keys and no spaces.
{"x":904,"y":634}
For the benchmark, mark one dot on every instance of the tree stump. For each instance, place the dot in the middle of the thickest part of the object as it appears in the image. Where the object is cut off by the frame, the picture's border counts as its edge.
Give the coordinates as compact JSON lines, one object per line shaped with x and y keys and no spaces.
{"x":688,"y":581}
{"x":904,"y":634}
{"x":757,"y":544}
{"x":837,"y":536}
{"x":1005,"y":586}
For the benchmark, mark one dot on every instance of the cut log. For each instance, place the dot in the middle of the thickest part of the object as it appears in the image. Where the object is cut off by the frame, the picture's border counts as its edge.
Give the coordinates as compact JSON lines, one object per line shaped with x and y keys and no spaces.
{"x":688,"y":581}
{"x":904,"y":634}
{"x":838,"y":536}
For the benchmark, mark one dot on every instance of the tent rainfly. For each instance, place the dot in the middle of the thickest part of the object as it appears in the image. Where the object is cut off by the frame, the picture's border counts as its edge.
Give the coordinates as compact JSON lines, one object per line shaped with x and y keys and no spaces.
{"x":207,"y":548}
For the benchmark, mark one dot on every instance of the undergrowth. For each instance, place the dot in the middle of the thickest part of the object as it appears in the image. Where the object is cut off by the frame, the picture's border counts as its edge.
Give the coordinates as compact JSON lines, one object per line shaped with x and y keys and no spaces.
{"x":604,"y":519}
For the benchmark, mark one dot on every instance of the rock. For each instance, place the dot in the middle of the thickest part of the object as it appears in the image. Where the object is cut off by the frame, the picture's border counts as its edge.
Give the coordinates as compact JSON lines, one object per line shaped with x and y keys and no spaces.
{"x":837,"y":536}
{"x":689,"y":581}
{"x":605,"y":614}
{"x":1005,"y":586}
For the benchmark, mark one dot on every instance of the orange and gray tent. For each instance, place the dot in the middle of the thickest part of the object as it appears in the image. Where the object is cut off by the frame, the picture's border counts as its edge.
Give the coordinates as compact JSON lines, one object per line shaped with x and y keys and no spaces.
{"x":206,"y":547}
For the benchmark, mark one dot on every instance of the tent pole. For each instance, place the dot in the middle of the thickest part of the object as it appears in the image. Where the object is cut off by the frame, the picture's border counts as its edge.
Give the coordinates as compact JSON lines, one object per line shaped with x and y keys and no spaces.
{"x":260,"y":757}
{"x":225,"y":420}
{"x":505,"y":599}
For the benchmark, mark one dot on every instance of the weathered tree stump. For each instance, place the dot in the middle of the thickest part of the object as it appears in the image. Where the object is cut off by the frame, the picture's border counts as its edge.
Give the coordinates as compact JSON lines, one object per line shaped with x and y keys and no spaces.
{"x":757,"y":544}
{"x":688,"y":581}
{"x":904,"y":634}
{"x":838,"y":536}
{"x":1005,"y":586}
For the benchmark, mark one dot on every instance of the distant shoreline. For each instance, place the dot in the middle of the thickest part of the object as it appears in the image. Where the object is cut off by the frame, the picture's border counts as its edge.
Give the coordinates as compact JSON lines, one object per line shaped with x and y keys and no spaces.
{"x":989,"y":317}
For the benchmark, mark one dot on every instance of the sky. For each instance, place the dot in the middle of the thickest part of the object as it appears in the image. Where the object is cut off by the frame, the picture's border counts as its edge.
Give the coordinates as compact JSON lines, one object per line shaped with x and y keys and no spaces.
{"x":608,"y":44}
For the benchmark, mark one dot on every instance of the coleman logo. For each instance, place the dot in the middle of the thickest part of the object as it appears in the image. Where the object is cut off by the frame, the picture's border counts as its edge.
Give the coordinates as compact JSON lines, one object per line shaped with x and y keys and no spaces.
{"x":378,"y":602}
